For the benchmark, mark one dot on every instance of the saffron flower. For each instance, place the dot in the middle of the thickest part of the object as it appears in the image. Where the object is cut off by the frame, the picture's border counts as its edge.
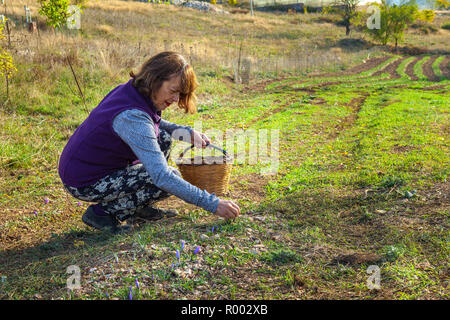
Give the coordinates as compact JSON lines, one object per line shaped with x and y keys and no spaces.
{"x":197,"y":250}
{"x":178,"y":254}
{"x":35,"y":213}
{"x":107,"y":294}
{"x":212,"y":229}
{"x":46,"y":200}
{"x":137,"y":283}
{"x":78,"y":203}
{"x":182,"y":245}
{"x":130,"y":294}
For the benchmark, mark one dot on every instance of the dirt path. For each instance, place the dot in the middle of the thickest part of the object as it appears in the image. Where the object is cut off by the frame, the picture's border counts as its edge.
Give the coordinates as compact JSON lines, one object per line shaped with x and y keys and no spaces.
{"x":445,"y":70}
{"x":368,"y":65}
{"x":391,"y":69}
{"x":410,"y":69}
{"x":347,"y":122}
{"x":428,"y":69}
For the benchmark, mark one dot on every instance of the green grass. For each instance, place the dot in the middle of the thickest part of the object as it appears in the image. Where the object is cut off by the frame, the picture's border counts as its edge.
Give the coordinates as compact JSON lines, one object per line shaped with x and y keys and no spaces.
{"x":418,"y":68}
{"x":436,"y":68}
{"x":363,"y":169}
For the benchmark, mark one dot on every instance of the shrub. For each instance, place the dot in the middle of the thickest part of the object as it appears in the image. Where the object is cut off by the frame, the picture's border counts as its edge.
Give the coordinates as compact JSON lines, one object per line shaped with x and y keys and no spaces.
{"x":424,"y":27}
{"x":446,"y":26}
{"x":281,"y":256}
{"x":426,"y":15}
{"x":442,"y":4}
{"x":392,"y":253}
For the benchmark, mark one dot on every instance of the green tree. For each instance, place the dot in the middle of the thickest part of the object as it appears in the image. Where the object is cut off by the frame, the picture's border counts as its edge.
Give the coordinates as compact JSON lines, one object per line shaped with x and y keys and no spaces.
{"x":394,"y":20}
{"x":442,"y":4}
{"x":383,"y":33}
{"x":55,"y":11}
{"x":400,"y":17}
{"x":7,"y":67}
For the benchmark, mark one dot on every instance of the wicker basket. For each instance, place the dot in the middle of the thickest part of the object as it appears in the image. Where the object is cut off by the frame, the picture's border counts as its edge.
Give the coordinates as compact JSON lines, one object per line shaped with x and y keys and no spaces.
{"x":208,"y":173}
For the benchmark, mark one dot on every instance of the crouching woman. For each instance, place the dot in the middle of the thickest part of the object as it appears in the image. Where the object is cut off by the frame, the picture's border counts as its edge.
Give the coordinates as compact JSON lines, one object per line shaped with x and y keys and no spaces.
{"x":117,"y":158}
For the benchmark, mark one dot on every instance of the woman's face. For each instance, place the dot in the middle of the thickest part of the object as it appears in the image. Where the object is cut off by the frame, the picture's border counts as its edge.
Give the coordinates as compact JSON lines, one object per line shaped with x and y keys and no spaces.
{"x":168,"y":93}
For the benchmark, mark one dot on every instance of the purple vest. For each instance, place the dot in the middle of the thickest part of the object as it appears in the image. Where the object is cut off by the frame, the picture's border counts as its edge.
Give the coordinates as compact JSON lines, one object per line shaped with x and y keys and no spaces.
{"x":95,"y":150}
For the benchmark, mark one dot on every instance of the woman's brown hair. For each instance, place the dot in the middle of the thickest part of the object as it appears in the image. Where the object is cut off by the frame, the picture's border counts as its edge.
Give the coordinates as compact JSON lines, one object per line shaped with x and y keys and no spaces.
{"x":161,"y":67}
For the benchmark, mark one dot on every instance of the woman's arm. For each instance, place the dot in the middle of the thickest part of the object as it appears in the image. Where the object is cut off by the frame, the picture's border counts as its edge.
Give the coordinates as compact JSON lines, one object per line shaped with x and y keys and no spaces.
{"x":197,"y":138}
{"x":137,"y":130}
{"x":170,"y":127}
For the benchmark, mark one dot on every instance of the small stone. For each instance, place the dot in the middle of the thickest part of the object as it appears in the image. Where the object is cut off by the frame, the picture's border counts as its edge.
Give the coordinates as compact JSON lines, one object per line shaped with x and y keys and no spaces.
{"x":276,"y":236}
{"x":37,"y":296}
{"x":409,"y":195}
{"x":183,"y":273}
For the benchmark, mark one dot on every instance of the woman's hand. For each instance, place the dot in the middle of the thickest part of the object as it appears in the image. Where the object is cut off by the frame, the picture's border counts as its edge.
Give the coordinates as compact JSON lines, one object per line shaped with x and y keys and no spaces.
{"x":199,"y":140}
{"x":228,"y":209}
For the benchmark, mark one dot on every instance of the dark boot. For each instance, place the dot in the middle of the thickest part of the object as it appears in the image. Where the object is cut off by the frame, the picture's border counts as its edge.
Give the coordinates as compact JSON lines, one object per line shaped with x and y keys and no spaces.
{"x":151,"y":214}
{"x":102,"y":222}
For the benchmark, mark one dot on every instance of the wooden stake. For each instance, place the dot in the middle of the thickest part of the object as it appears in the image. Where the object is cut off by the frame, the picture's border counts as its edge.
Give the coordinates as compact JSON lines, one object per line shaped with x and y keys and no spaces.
{"x":78,"y":85}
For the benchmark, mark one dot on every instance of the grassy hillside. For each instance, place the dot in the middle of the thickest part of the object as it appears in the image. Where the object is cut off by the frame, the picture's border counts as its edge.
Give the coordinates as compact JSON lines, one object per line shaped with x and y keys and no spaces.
{"x":363,"y":162}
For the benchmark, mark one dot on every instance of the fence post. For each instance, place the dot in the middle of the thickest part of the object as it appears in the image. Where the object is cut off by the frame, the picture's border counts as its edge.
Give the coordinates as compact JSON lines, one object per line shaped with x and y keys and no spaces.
{"x":246,"y":66}
{"x":237,"y":78}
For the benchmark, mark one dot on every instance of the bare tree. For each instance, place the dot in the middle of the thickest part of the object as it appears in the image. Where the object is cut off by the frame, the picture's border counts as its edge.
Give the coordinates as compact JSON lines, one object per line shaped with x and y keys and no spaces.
{"x":348,"y":12}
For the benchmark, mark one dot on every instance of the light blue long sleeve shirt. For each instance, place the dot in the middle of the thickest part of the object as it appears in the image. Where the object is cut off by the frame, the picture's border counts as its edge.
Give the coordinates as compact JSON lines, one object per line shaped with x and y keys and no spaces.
{"x":137,"y":129}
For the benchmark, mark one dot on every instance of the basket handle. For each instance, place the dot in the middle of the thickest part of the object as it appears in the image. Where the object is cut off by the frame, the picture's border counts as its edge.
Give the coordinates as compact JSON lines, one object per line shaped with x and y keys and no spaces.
{"x":208,"y":145}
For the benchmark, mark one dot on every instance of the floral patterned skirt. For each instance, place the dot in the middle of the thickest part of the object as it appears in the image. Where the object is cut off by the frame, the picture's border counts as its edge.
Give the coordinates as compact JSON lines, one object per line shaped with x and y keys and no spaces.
{"x":127,"y":190}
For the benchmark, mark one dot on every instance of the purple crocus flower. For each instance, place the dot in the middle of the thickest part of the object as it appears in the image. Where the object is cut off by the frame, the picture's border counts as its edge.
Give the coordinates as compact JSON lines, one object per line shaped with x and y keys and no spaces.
{"x":182,"y":245}
{"x":212,"y":229}
{"x":197,"y":250}
{"x":137,"y":283}
{"x":107,"y":294}
{"x":35,"y":213}
{"x":178,"y":254}
{"x":78,"y":203}
{"x":46,"y":200}
{"x":130,"y":294}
